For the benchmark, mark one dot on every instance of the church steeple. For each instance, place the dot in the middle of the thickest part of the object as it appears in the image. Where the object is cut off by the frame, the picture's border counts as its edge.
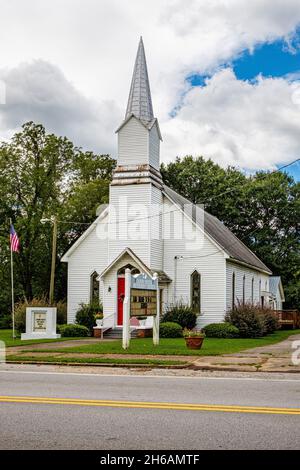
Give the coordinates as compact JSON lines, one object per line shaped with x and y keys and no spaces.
{"x":139,"y":101}
{"x":139,"y":134}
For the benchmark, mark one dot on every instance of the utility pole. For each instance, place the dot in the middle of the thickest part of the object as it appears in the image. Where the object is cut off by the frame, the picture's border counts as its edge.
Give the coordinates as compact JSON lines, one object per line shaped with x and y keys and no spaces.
{"x":53,"y":220}
{"x":53,"y":260}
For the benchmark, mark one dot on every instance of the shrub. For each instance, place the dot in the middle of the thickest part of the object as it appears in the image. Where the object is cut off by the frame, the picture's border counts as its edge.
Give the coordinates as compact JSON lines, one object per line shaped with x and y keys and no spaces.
{"x":248,"y":319}
{"x":86,"y":314}
{"x":5,"y":322}
{"x":269,"y":319}
{"x":20,"y":311}
{"x":170,"y":330}
{"x":221,"y":330}
{"x":72,"y":330}
{"x":181,"y":314}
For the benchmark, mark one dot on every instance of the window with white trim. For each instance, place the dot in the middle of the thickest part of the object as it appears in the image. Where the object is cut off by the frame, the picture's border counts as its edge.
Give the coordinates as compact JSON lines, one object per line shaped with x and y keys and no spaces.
{"x":94,"y":287}
{"x":196,"y":292}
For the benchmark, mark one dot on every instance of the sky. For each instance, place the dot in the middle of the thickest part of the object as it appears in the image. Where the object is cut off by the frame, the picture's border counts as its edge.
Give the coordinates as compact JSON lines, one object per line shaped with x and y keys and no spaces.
{"x":224,"y":74}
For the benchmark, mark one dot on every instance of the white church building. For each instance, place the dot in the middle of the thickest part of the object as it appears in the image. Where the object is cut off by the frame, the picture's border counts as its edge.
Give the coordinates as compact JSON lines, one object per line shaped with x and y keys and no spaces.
{"x":150,"y":228}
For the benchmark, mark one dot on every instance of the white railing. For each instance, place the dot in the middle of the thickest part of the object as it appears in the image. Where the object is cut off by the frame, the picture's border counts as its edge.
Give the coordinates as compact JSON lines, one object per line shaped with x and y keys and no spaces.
{"x":109,"y":321}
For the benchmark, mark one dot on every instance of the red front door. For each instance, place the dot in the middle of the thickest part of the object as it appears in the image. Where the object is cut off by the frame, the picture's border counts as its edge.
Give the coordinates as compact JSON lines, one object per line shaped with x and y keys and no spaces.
{"x":121,"y":295}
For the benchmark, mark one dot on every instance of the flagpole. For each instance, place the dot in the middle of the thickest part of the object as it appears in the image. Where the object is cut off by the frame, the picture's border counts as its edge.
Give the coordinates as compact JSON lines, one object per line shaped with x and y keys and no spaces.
{"x":12,"y":287}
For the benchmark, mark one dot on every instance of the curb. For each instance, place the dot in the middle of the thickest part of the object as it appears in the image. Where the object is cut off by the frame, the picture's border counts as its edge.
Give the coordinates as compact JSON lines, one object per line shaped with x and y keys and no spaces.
{"x":155,"y":366}
{"x":234,"y":369}
{"x":93,"y":364}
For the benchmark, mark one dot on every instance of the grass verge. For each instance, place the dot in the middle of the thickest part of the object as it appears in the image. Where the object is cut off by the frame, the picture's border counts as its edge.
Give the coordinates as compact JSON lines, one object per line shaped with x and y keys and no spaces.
{"x":177,"y":346}
{"x":93,"y":360}
{"x":6,"y":336}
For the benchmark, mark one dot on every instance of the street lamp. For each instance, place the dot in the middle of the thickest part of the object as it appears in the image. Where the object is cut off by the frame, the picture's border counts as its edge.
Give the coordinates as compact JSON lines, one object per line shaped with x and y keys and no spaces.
{"x":52,"y":220}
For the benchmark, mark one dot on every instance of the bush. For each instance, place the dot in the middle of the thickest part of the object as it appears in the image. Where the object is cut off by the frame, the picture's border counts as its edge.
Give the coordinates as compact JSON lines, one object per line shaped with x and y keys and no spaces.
{"x":181,"y":314}
{"x":270,"y":320}
{"x":72,"y":331}
{"x":170,"y":330}
{"x":86,"y":314}
{"x":221,"y":330}
{"x":5,"y":322}
{"x":20,"y":311}
{"x":248,"y":319}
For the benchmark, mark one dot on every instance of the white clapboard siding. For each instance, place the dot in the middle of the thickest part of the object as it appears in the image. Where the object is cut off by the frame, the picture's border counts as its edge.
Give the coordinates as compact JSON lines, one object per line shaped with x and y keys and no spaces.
{"x":156,"y":241}
{"x":241,"y":271}
{"x":133,"y":143}
{"x":205,"y":257}
{"x":131,"y":202}
{"x":154,"y":145}
{"x":89,"y":256}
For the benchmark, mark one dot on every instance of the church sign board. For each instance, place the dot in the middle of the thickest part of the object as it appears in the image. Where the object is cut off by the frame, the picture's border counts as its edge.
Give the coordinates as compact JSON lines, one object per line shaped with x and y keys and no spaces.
{"x":143,"y":296}
{"x":40,"y":323}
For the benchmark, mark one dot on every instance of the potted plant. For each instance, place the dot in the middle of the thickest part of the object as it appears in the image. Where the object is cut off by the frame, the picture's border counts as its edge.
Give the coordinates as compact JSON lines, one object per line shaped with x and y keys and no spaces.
{"x":99,"y":319}
{"x":193,"y":338}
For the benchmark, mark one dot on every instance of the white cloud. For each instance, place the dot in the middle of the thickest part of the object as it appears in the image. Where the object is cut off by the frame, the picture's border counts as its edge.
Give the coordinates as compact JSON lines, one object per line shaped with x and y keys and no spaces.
{"x":250,"y":125}
{"x":39,"y":92}
{"x":93,"y":45}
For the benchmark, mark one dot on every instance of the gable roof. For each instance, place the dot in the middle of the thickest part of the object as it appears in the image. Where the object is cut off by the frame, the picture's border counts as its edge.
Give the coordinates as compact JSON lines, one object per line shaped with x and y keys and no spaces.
{"x":234,"y":247}
{"x":162,"y":276}
{"x":147,"y":124}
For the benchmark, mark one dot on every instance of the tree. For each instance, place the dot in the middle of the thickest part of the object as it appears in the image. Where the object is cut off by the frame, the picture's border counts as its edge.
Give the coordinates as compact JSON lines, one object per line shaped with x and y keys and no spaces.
{"x":43,"y":175}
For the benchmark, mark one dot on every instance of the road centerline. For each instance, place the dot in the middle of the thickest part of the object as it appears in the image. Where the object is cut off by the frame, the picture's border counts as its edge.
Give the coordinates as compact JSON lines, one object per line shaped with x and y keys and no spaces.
{"x":149,"y":405}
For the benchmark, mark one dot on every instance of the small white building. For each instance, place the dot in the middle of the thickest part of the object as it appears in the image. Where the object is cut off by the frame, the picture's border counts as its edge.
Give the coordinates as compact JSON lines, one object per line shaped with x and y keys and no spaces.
{"x":276,"y":293}
{"x":150,"y":228}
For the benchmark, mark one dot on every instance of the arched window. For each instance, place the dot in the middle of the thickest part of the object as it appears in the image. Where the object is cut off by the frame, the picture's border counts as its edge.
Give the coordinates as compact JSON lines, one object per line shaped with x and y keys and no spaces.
{"x":196,"y":292}
{"x":252,"y":291}
{"x":244,"y":288}
{"x":233,"y":291}
{"x":95,"y":287}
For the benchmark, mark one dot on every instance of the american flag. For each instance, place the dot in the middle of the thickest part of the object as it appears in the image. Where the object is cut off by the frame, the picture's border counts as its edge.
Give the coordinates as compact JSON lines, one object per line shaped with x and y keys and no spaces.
{"x":14,"y":240}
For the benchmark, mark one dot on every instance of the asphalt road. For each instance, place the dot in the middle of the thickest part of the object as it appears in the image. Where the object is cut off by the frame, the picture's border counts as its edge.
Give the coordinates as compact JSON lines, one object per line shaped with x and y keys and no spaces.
{"x":55,"y":410}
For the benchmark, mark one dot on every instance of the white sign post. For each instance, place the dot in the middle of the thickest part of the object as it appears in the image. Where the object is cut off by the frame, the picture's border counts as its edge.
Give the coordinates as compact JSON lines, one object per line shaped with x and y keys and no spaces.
{"x":144,"y":302}
{"x":126,"y":311}
{"x":157,"y":316}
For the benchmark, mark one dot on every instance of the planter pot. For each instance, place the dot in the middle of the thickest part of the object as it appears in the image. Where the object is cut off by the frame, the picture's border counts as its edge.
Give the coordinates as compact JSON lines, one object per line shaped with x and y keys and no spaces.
{"x":194,"y":342}
{"x":99,"y":322}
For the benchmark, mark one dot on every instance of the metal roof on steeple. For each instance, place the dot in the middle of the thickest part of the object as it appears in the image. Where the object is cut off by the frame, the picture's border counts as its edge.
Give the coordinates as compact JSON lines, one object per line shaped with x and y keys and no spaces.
{"x":139,"y":101}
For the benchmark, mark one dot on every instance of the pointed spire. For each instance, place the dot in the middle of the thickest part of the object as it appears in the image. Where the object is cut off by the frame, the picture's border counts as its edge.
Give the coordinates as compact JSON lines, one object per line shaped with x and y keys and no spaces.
{"x":139,"y":101}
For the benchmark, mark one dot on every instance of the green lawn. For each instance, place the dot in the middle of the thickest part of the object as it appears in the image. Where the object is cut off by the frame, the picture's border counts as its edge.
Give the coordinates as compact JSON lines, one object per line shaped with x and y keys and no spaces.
{"x":211,"y":346}
{"x":6,"y":336}
{"x":94,"y":360}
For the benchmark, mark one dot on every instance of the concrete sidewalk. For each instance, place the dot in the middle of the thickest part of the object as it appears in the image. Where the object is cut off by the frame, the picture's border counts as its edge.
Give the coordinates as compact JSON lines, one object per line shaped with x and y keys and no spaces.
{"x":273,"y":358}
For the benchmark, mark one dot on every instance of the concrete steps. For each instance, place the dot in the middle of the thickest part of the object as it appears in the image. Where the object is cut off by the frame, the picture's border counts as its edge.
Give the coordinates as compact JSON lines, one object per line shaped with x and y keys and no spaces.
{"x":116,"y":333}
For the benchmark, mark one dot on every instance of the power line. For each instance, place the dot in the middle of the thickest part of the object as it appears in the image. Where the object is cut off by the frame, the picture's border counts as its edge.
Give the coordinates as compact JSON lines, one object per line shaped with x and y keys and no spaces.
{"x":260,"y":178}
{"x":179,"y":209}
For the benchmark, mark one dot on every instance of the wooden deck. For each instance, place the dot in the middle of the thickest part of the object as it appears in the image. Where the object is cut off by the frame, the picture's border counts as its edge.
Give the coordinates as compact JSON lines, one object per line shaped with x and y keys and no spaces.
{"x":288,"y":318}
